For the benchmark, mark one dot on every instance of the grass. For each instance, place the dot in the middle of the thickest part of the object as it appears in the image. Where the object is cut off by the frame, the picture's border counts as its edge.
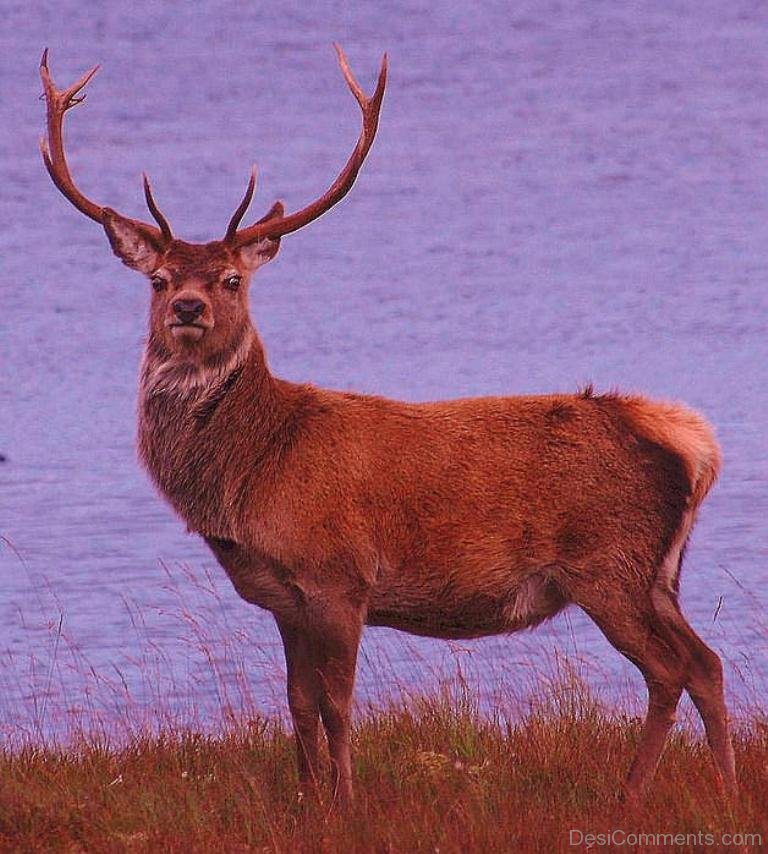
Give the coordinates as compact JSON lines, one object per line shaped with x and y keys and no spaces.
{"x":93,"y":759}
{"x":432,"y":775}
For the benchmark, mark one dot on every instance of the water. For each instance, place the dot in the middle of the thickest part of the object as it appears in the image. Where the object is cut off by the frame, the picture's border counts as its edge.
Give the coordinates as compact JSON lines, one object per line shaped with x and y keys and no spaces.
{"x":559,"y":192}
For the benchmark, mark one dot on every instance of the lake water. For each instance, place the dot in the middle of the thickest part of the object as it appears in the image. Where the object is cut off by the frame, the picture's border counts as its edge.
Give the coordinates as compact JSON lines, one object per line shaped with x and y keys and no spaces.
{"x":560,"y":192}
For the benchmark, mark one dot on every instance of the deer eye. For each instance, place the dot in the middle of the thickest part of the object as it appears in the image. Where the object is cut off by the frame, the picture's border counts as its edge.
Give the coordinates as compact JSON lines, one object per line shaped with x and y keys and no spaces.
{"x":232,"y":283}
{"x":157,"y":282}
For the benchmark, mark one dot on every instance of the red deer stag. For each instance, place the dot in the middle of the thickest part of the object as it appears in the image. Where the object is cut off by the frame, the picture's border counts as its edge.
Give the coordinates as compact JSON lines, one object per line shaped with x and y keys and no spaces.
{"x":454,"y":519}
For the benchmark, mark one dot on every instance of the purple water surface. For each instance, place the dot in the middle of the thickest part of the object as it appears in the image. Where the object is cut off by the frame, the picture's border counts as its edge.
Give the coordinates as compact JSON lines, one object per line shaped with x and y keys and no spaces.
{"x":559,"y":193}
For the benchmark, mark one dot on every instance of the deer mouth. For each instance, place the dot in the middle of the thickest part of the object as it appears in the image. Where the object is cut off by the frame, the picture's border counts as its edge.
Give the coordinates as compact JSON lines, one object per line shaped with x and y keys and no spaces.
{"x":187,"y":332}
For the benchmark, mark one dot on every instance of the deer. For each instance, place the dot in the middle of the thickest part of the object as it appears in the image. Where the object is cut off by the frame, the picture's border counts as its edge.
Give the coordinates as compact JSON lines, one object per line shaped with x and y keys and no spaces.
{"x":453,"y":519}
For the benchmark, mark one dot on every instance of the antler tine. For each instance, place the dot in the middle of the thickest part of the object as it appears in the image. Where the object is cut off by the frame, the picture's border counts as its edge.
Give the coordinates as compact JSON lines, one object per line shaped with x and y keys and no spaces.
{"x":354,"y":86}
{"x":370,"y":106}
{"x":278,"y":226}
{"x":242,"y":207}
{"x":165,"y":228}
{"x":58,"y":101}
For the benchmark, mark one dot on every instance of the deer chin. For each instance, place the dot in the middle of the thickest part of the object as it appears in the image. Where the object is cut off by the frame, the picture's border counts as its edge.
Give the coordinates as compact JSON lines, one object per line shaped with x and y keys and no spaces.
{"x":188,"y":333}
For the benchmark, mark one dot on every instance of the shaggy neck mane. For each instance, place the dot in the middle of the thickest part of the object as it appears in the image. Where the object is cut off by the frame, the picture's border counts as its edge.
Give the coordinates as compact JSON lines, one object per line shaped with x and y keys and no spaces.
{"x":163,"y":372}
{"x":188,"y":412}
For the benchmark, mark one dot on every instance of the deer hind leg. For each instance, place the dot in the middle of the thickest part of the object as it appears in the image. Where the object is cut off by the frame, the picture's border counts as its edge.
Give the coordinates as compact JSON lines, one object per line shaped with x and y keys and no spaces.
{"x":704,"y":682}
{"x":628,"y":624}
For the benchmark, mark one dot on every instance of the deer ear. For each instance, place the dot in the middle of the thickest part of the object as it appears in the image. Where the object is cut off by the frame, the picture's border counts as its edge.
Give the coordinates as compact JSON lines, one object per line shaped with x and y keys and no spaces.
{"x":259,"y":252}
{"x":132,"y":244}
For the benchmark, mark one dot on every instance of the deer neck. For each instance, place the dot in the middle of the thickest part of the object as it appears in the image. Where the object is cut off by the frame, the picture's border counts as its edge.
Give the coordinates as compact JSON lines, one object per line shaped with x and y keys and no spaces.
{"x":206,"y":431}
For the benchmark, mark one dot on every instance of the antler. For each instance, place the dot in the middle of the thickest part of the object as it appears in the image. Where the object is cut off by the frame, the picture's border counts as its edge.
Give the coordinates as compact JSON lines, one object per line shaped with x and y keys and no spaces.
{"x":274,"y":224}
{"x":58,"y":101}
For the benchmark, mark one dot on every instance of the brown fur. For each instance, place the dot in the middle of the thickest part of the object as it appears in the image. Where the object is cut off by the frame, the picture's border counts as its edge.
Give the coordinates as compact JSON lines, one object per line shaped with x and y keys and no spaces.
{"x":455,"y":519}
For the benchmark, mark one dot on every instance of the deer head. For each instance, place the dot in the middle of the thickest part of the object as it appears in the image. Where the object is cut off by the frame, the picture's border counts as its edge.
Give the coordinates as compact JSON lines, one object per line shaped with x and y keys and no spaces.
{"x":199,"y":312}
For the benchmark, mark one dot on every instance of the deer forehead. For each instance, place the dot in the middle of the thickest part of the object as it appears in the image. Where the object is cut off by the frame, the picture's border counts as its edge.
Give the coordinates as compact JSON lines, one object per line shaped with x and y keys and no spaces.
{"x":203,"y":263}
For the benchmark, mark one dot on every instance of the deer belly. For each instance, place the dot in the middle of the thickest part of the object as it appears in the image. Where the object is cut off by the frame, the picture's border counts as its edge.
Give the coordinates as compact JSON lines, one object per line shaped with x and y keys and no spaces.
{"x":453,"y":612}
{"x":255,"y":578}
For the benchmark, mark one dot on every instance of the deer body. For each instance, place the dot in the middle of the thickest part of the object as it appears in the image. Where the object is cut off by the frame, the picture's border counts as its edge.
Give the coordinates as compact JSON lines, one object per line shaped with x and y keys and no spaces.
{"x":458,"y":519}
{"x":454,"y":519}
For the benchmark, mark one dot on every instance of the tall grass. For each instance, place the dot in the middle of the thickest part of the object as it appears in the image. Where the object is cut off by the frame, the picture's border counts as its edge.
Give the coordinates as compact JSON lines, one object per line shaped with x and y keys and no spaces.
{"x":94,"y":760}
{"x":432,"y":775}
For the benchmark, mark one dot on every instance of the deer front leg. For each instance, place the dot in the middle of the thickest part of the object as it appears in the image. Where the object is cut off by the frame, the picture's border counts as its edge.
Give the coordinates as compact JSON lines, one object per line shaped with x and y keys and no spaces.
{"x":304,"y":703}
{"x":321,"y":656}
{"x":337,"y":659}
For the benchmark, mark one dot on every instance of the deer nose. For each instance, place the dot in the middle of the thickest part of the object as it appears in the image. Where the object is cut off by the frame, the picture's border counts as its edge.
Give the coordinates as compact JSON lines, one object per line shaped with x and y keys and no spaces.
{"x":188,"y":310}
